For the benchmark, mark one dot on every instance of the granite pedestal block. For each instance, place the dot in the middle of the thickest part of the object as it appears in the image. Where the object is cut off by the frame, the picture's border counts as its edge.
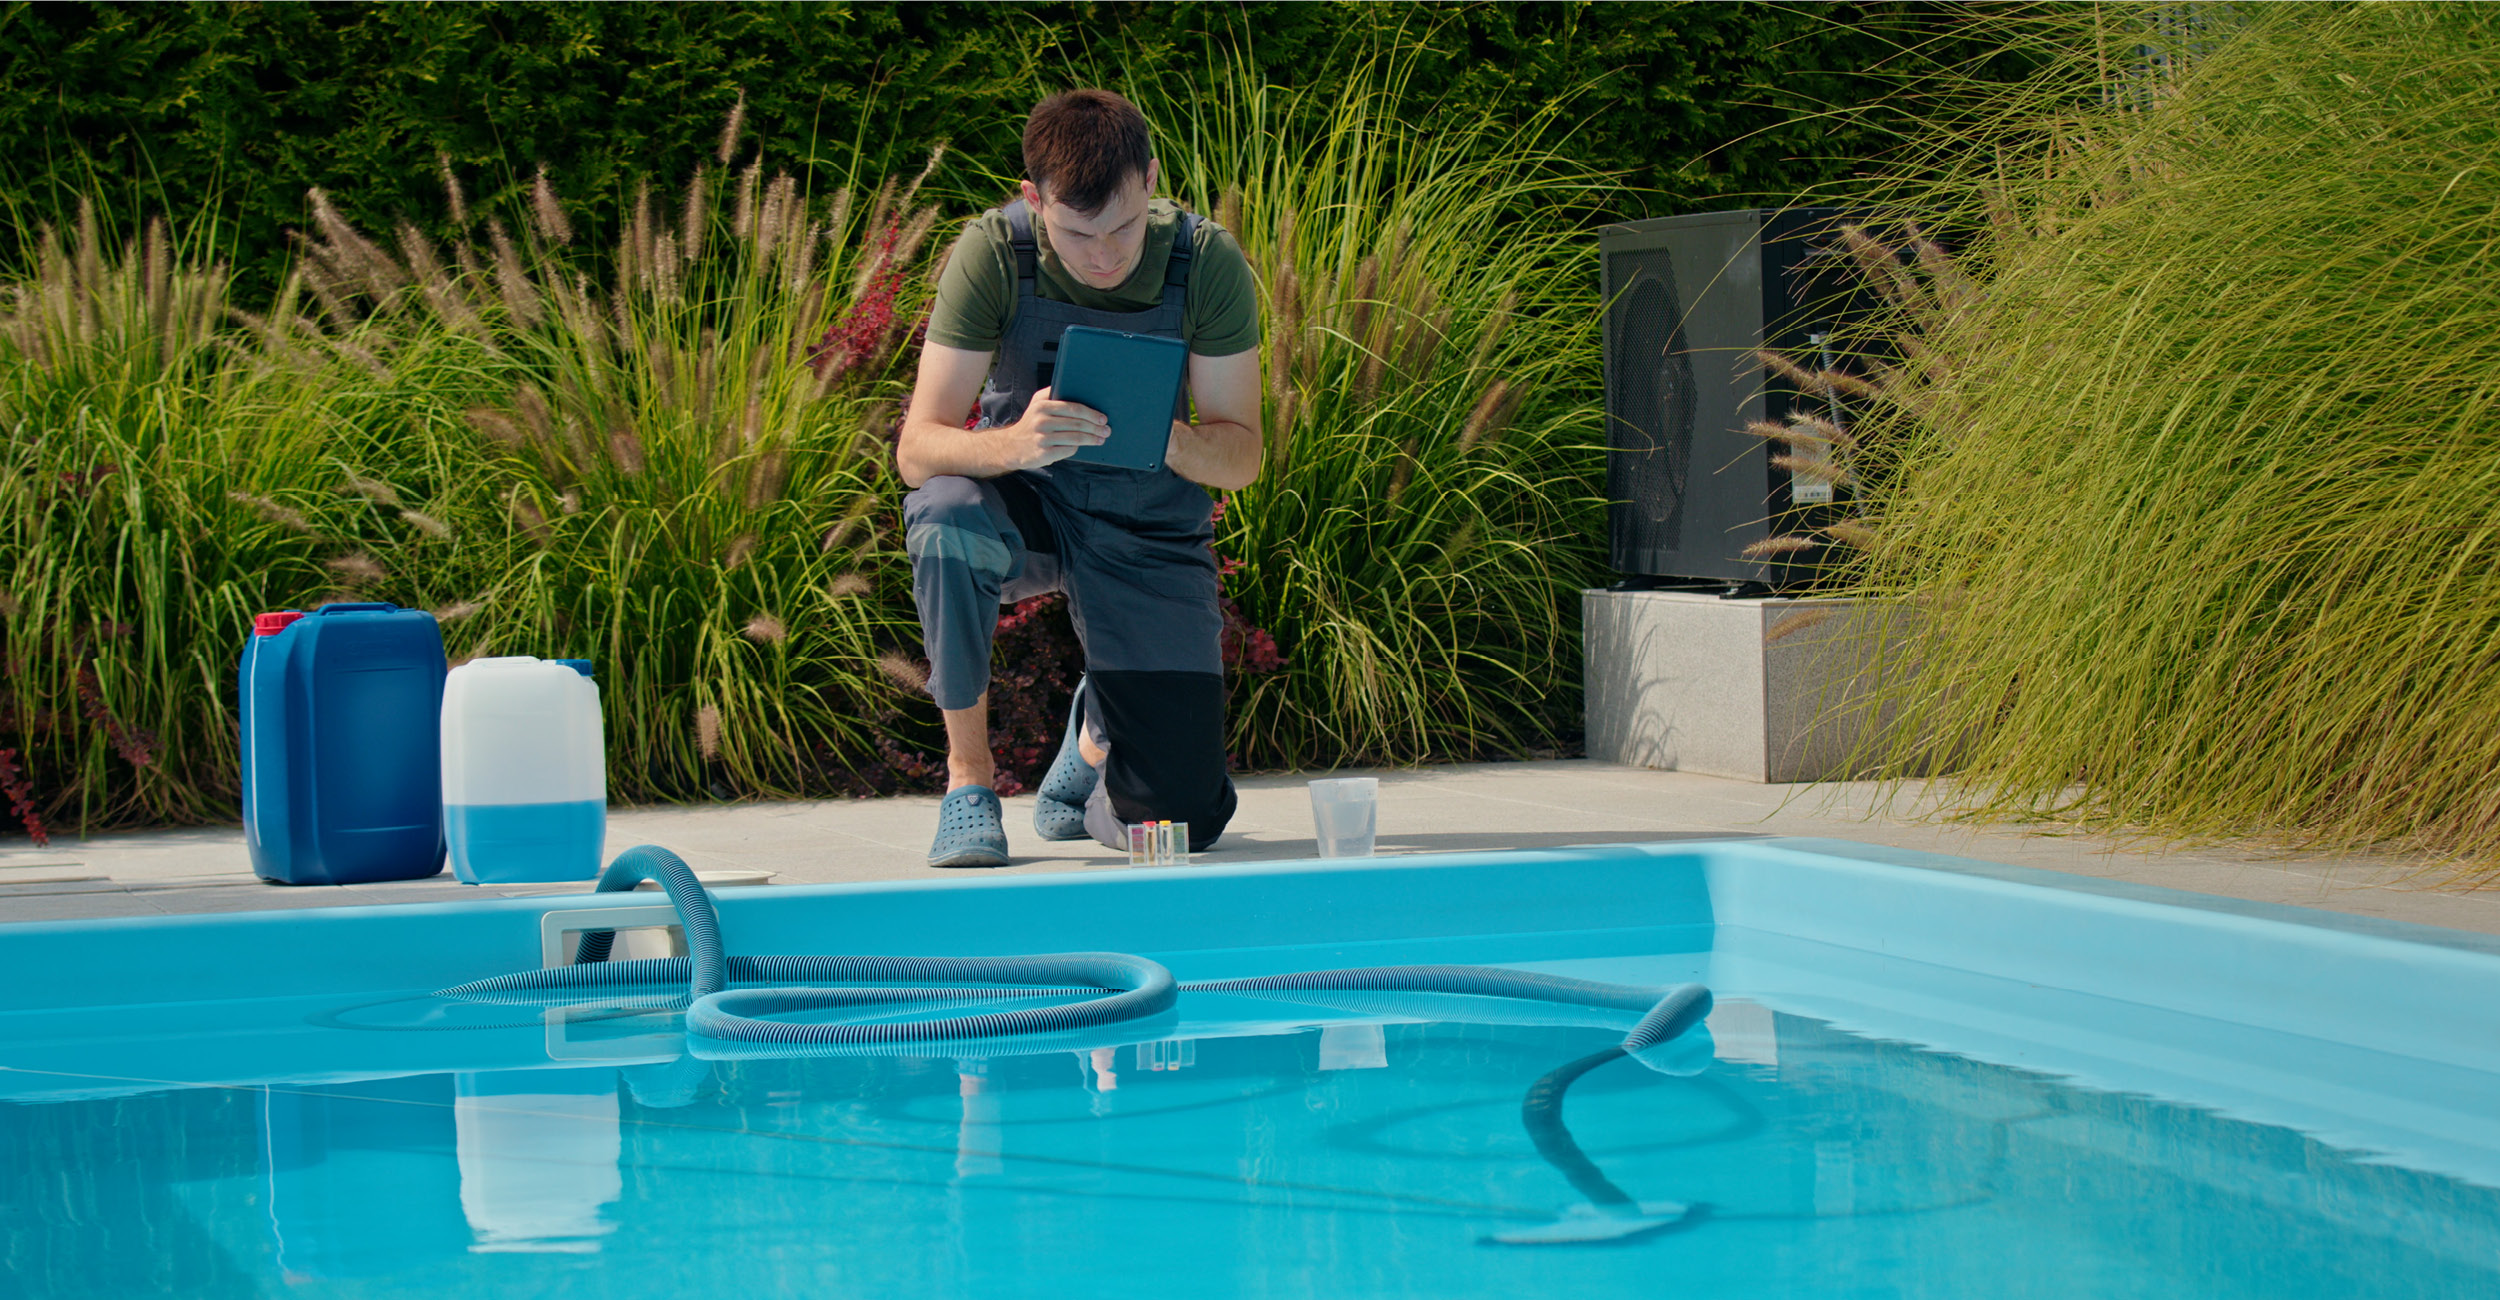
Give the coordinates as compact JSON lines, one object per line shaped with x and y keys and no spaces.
{"x":1686,"y":682}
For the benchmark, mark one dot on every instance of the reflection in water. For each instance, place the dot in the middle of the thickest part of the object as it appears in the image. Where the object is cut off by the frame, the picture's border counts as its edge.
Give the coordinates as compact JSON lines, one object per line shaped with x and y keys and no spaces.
{"x":1832,"y":1165}
{"x":976,"y":1136}
{"x":1353,"y":1047}
{"x":1167,"y":1054}
{"x":538,"y":1152}
{"x":341,"y":1157}
{"x":376,"y":1176}
{"x":1100,"y":1068}
{"x":667,"y":1085}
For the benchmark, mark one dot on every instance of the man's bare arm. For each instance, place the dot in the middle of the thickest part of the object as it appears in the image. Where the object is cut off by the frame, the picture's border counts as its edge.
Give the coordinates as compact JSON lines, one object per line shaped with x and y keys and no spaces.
{"x":1223,"y":450}
{"x":934,"y":440}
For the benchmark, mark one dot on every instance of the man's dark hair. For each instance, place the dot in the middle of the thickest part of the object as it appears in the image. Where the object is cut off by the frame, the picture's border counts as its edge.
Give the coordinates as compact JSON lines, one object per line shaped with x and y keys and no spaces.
{"x":1082,"y":145}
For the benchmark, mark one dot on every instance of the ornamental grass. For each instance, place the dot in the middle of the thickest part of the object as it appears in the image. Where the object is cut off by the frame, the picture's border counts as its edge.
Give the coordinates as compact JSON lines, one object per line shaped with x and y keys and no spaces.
{"x":1432,"y":502}
{"x":678,"y":471}
{"x":157,"y":481}
{"x":2196,"y":496}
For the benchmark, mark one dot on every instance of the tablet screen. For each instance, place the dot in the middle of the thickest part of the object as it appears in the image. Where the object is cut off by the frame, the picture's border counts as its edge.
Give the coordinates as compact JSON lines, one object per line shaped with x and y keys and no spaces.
{"x":1135,"y":379}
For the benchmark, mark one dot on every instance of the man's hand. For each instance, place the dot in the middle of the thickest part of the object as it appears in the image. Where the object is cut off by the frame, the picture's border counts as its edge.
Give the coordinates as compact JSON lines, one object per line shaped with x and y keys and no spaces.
{"x":1221,"y":451}
{"x":1050,"y":431}
{"x":934,"y":440}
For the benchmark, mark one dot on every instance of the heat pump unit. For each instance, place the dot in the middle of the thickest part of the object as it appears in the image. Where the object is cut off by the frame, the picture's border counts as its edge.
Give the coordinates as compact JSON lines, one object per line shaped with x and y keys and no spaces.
{"x":1691,"y":302}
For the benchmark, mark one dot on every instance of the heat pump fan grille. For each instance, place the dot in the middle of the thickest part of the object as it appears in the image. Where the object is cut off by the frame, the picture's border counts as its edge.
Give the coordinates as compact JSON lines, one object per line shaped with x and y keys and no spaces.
{"x":1650,"y":434}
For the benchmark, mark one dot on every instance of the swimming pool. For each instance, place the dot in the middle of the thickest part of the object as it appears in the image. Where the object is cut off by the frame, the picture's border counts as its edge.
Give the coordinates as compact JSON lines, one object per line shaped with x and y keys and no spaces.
{"x":1923,"y":1076}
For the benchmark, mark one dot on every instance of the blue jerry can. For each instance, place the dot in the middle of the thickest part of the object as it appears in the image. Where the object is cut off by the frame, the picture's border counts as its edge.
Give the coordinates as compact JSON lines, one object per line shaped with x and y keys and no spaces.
{"x":342,"y":745}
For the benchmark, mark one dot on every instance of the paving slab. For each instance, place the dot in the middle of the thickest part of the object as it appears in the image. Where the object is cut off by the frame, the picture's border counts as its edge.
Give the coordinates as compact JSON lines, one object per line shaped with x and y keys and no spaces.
{"x":1461,"y":807}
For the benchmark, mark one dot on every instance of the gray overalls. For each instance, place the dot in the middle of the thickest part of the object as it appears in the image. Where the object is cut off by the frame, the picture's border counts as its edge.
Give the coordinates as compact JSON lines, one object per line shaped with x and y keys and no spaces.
{"x":1129,"y":547}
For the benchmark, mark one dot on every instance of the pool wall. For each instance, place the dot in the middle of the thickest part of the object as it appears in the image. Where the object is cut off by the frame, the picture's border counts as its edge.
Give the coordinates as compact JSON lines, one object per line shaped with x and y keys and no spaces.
{"x":1210,"y":922}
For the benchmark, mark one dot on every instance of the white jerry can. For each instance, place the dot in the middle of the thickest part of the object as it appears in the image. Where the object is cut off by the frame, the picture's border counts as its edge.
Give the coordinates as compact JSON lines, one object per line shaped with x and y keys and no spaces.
{"x":525,"y":773}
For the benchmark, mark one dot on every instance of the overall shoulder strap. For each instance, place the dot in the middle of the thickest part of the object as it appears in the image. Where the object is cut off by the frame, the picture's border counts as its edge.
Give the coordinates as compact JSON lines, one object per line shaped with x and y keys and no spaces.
{"x":1028,"y":253}
{"x":1176,"y":271}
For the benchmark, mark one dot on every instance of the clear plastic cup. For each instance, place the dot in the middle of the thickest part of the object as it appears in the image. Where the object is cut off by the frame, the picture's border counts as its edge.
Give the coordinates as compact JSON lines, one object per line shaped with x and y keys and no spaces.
{"x":1345,"y":813}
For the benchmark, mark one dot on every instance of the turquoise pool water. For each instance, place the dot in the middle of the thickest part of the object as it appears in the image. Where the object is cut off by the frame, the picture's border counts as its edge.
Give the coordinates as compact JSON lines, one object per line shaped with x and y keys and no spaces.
{"x":1898,"y":1094}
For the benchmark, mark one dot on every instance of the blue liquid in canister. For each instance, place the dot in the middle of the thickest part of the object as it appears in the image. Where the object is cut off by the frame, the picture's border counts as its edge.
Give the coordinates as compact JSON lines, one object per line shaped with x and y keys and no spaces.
{"x":518,"y":843}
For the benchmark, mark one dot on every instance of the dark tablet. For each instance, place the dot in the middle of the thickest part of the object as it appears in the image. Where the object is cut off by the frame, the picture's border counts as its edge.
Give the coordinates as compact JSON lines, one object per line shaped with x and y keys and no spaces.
{"x":1133,"y":378}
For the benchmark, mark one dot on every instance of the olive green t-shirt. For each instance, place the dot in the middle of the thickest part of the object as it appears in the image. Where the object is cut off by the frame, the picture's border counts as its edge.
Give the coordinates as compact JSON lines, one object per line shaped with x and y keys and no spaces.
{"x":976,"y":293}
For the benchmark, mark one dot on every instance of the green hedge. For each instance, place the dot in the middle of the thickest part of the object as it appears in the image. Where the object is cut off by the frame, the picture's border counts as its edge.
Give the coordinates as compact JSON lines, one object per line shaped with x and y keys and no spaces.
{"x":237,"y":109}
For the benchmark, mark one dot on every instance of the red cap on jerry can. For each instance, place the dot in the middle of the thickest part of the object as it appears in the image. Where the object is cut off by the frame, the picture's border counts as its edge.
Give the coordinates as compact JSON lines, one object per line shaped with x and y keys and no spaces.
{"x":273,"y":624}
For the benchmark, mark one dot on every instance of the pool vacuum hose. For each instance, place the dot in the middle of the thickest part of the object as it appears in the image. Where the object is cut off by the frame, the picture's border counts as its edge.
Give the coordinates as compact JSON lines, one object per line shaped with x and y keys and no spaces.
{"x":1124,"y":987}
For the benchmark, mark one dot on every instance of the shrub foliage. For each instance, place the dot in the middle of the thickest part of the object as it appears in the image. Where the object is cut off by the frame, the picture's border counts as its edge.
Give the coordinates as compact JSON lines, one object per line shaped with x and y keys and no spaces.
{"x":237,"y":109}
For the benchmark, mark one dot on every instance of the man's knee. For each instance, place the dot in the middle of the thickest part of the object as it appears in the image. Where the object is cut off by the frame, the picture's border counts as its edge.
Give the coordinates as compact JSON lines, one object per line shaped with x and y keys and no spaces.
{"x":943,"y":498}
{"x":1166,"y":734}
{"x":946,"y":519}
{"x":958,"y":566}
{"x":1206,"y":824}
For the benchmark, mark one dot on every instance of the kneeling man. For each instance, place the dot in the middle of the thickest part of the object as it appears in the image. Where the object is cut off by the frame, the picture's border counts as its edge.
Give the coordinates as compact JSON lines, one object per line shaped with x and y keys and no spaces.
{"x":999,"y":513}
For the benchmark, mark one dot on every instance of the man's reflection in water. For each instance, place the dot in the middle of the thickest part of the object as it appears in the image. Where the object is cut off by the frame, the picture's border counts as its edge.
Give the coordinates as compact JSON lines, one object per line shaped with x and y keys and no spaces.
{"x":976,"y":1137}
